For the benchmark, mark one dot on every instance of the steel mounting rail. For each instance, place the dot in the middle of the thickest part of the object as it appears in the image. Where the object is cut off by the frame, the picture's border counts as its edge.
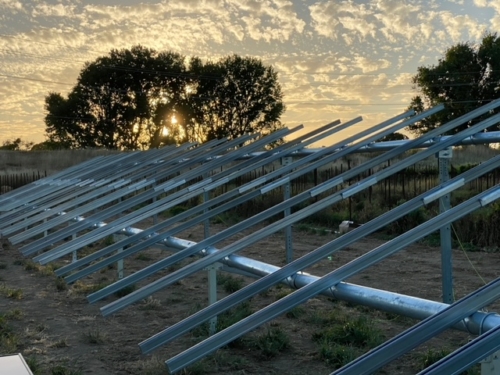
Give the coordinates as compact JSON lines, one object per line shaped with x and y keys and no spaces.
{"x":260,"y":234}
{"x":422,"y":332}
{"x":255,"y":219}
{"x":292,"y":270}
{"x":277,"y":308}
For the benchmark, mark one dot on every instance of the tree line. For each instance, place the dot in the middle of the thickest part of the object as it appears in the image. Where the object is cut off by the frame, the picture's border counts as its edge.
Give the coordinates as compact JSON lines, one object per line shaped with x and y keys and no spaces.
{"x":140,"y":98}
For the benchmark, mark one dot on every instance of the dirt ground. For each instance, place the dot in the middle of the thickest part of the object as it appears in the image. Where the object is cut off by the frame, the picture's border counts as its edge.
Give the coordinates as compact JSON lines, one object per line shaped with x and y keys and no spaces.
{"x":59,"y":329}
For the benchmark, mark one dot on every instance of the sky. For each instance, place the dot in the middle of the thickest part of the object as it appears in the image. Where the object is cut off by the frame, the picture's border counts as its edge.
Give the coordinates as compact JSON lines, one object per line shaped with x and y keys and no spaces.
{"x":335,"y":59}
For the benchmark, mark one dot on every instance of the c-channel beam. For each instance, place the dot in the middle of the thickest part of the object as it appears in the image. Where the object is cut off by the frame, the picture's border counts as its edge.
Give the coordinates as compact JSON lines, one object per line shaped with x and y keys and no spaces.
{"x":102,"y":184}
{"x":58,"y":184}
{"x":98,"y":177}
{"x":466,"y":356}
{"x":158,"y":206}
{"x":52,"y":188}
{"x":242,"y":225}
{"x":291,"y":271}
{"x":150,"y":209}
{"x":422,"y":332}
{"x":60,"y":175}
{"x":131,"y":202}
{"x":196,"y":155}
{"x":256,"y":236}
{"x":331,"y":279}
{"x":275,"y":154}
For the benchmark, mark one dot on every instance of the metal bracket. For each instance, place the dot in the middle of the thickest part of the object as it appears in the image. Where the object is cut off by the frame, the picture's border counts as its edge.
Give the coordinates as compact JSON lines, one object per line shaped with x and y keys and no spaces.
{"x":287,"y":160}
{"x":447,"y":153}
{"x":491,"y":364}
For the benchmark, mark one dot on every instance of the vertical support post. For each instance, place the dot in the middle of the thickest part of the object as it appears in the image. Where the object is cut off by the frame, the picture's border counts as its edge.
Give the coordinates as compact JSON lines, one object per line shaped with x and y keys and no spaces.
{"x":491,"y":364}
{"x":286,"y":212}
{"x":212,"y":294}
{"x":119,"y":263}
{"x":206,"y":223}
{"x":444,"y":157}
{"x":155,"y":216}
{"x":74,"y":255}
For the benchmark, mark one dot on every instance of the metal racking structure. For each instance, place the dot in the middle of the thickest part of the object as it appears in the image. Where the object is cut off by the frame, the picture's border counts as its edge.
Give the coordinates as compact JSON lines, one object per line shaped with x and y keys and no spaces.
{"x":108,"y":195}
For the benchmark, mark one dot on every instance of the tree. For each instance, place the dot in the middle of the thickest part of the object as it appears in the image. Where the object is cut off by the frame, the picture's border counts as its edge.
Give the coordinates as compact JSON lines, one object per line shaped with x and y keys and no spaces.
{"x":115,"y":99}
{"x":467,"y":77}
{"x":233,"y":96}
{"x":394,"y":137}
{"x":138,"y":98}
{"x":16,"y":145}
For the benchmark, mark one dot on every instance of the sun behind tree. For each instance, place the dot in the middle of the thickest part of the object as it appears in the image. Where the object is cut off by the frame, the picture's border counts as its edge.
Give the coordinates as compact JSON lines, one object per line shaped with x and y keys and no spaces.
{"x":127,"y":101}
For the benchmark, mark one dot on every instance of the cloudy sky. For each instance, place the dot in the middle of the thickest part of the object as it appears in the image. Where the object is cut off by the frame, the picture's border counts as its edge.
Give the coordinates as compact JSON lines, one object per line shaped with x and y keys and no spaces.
{"x":335,"y":59}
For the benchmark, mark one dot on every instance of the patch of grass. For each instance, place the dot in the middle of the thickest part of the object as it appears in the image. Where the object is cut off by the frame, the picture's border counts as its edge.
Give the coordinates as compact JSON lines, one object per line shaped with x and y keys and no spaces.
{"x":34,"y":365}
{"x":125,"y":290}
{"x":336,"y":355}
{"x":144,"y":257}
{"x":270,"y":344}
{"x":57,"y":369}
{"x":63,"y":370}
{"x":82,"y":288}
{"x":29,"y":265}
{"x":16,"y":314}
{"x":153,"y":366}
{"x":150,"y":303}
{"x":60,"y":344}
{"x":224,"y":320}
{"x":176,"y":210}
{"x":8,"y":339}
{"x":229,"y":283}
{"x":283,"y":293}
{"x":3,"y":265}
{"x":10,"y":292}
{"x":32,"y":266}
{"x":430,"y":357}
{"x":107,"y":241}
{"x":61,"y":284}
{"x":432,"y":240}
{"x":296,"y":312}
{"x":357,"y":332}
{"x":94,"y":337}
{"x":220,"y":362}
{"x":326,"y":318}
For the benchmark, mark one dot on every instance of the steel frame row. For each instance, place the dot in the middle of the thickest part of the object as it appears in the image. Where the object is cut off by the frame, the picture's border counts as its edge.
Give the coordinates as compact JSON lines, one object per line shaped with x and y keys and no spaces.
{"x":108,"y":195}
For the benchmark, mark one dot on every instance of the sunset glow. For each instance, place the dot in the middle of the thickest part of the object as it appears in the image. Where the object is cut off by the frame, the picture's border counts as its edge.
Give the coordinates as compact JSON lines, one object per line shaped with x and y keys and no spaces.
{"x":335,"y":59}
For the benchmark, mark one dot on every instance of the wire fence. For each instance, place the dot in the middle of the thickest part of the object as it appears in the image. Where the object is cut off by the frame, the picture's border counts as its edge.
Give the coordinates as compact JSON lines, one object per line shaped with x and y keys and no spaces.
{"x":13,"y":181}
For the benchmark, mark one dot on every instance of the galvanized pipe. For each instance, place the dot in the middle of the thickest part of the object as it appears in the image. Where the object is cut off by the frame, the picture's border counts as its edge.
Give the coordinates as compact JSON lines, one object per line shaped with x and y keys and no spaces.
{"x":412,"y":307}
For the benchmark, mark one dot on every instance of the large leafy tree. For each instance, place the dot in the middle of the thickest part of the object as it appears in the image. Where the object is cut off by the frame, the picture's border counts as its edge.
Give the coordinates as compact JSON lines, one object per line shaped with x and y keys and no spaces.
{"x":233,"y":96}
{"x":466,"y":77}
{"x":139,"y":98}
{"x":114,"y":102}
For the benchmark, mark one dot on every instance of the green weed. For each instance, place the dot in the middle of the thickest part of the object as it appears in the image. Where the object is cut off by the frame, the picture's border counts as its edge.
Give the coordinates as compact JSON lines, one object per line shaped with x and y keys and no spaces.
{"x":229,"y":283}
{"x":10,"y":292}
{"x":336,"y":355}
{"x":358,"y":332}
{"x":270,"y":344}
{"x":143,"y":257}
{"x":94,"y":336}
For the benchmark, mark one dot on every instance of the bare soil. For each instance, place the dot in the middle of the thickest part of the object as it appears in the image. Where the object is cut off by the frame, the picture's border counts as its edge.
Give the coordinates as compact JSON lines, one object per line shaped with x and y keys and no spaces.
{"x":60,"y":328}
